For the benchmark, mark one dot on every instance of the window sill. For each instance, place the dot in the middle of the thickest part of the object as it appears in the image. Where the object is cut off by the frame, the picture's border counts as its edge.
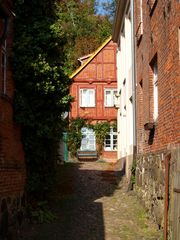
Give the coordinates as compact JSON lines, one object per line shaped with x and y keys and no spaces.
{"x":87,"y":106}
{"x":109,"y":106}
{"x":110,"y":150}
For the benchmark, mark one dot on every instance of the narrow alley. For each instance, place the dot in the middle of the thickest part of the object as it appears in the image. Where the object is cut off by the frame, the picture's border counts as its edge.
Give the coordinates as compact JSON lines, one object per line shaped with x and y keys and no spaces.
{"x":92,"y":203}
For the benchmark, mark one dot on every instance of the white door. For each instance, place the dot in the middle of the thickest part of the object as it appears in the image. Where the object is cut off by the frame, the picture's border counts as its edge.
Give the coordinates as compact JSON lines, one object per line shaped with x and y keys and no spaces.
{"x":88,"y":142}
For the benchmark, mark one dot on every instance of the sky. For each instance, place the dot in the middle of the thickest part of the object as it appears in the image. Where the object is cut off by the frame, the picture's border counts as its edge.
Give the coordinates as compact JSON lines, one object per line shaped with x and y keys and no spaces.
{"x":99,"y":8}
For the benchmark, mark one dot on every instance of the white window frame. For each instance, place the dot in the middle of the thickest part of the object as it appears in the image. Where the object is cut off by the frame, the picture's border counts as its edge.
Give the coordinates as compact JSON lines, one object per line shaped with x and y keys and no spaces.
{"x":88,"y":142}
{"x":113,"y":92}
{"x":85,"y":97}
{"x":155,"y":90}
{"x":112,"y":137}
{"x":4,"y":67}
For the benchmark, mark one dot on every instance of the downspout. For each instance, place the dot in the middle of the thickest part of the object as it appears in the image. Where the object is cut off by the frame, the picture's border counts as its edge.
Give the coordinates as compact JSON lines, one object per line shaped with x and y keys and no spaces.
{"x":133,"y":79}
{"x":166,"y":200}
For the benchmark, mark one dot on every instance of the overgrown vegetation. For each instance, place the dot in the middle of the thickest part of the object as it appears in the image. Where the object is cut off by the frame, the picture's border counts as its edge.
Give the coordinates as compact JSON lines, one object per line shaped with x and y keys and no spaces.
{"x":74,"y":135}
{"x":49,"y":36}
{"x":101,"y":129}
{"x":42,"y":89}
{"x":39,"y":213}
{"x":133,"y":174}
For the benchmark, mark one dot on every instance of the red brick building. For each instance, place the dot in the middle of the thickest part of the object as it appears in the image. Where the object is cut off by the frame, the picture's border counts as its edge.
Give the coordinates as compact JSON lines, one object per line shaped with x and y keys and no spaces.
{"x":94,"y":87}
{"x":157,"y":28}
{"x":12,"y":164}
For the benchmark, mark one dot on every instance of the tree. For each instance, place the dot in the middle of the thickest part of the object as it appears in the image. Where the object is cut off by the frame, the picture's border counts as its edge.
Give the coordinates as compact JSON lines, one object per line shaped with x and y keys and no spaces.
{"x":84,"y":29}
{"x":42,"y":88}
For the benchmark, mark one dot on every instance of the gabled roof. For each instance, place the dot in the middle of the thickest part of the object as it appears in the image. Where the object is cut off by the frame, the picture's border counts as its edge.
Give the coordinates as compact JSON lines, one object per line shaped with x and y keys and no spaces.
{"x":91,"y":58}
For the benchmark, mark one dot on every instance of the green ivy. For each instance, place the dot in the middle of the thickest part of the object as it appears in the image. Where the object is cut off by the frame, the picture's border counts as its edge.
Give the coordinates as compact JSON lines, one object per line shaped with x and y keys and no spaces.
{"x":74,"y":135}
{"x":101,"y":130}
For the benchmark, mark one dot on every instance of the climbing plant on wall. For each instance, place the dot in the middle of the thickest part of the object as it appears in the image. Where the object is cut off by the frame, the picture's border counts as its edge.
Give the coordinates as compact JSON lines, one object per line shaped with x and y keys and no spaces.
{"x":74,"y":135}
{"x":101,"y":129}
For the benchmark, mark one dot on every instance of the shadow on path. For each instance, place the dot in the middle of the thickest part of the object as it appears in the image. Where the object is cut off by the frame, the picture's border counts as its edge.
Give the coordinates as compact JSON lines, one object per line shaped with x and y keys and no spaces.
{"x":75,"y":202}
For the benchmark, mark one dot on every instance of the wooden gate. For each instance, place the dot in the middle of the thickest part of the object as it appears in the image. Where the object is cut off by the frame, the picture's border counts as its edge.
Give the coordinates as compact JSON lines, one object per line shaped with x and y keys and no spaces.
{"x":176,"y":220}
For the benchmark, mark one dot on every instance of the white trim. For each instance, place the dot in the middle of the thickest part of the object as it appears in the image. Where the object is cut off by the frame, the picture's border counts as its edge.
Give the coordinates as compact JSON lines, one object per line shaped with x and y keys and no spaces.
{"x":87,"y":97}
{"x":111,"y":138}
{"x":88,"y":141}
{"x":155,"y":91}
{"x":110,"y":102}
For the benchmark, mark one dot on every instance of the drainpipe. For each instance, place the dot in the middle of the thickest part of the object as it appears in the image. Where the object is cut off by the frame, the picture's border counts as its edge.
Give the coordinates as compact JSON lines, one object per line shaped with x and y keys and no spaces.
{"x":166,"y":202}
{"x":133,"y":78}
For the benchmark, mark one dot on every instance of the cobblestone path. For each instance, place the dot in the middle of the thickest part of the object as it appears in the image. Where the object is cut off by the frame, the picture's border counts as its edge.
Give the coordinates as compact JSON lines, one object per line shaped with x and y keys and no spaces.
{"x":91,"y":203}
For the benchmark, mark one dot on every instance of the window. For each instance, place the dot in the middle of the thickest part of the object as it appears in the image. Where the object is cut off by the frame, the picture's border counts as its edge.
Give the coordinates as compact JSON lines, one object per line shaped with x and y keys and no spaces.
{"x":155,"y":89}
{"x":139,"y":31}
{"x":109,"y":98}
{"x":3,"y":66}
{"x":87,"y":97}
{"x":88,"y":141}
{"x":152,"y":4}
{"x":111,"y":141}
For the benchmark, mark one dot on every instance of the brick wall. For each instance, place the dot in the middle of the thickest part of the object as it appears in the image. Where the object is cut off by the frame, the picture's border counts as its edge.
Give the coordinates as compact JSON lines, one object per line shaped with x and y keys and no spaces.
{"x":158,"y":42}
{"x":160,"y":37}
{"x":12,"y":164}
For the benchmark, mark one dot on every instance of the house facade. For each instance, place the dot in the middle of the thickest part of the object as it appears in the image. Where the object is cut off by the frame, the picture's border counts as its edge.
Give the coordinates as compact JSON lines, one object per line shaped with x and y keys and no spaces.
{"x":157,"y":30}
{"x":12,"y":164}
{"x":125,"y":102}
{"x":155,"y":55}
{"x":94,"y":87}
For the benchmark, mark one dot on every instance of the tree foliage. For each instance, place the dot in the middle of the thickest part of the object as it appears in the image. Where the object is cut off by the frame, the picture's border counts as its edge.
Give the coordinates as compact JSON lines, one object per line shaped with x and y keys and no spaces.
{"x":49,"y":37}
{"x":84,"y":29}
{"x":42,"y":88}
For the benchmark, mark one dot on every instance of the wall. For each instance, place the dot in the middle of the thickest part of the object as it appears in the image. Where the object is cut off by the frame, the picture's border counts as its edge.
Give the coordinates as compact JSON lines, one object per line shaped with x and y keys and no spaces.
{"x":12,"y":162}
{"x":125,"y":87}
{"x":98,"y":74}
{"x":160,"y":36}
{"x":157,"y":37}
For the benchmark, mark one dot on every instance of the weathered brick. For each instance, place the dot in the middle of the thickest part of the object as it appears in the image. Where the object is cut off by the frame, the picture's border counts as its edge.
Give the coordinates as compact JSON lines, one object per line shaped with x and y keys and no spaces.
{"x":12,"y":162}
